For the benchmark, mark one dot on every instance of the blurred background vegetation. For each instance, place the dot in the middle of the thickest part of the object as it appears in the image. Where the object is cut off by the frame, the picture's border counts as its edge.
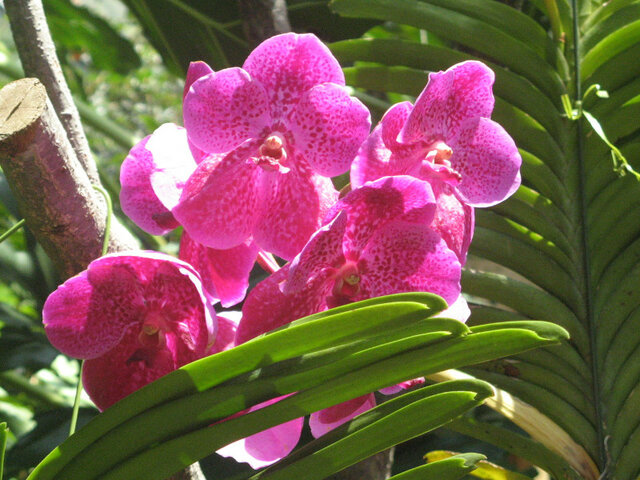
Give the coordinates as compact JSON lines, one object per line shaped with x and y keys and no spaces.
{"x":125,"y":62}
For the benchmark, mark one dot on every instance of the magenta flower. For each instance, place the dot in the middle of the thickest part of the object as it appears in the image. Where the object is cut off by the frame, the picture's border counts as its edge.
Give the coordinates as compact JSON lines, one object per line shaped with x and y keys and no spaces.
{"x":134,"y":317}
{"x":288,"y":124}
{"x":451,"y":138}
{"x":377,"y":242}
{"x":381,"y":155}
{"x":153,"y":176}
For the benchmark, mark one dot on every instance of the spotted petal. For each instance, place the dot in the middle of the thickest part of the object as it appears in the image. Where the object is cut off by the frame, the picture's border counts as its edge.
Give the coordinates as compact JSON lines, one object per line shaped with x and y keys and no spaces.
{"x":225,"y":273}
{"x":380,"y":155}
{"x":488,"y":160}
{"x":463,"y":91}
{"x":223,"y":109}
{"x":407,"y":257}
{"x":266,"y":307}
{"x":172,"y":163}
{"x":138,"y":200}
{"x":321,"y":255}
{"x":288,"y":65}
{"x":195,"y":71}
{"x":378,"y":202}
{"x":124,"y":370}
{"x":293,"y":206}
{"x":454,"y":220}
{"x":329,"y":126}
{"x":89,"y":313}
{"x":219,"y":203}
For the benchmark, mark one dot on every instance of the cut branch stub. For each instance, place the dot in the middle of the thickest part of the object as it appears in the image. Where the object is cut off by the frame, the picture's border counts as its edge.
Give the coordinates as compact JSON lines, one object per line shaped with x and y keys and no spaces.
{"x":54,"y":194}
{"x":38,"y":57}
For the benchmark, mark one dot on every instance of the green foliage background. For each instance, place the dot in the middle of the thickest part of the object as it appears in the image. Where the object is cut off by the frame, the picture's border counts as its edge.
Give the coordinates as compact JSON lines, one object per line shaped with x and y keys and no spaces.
{"x":565,"y":248}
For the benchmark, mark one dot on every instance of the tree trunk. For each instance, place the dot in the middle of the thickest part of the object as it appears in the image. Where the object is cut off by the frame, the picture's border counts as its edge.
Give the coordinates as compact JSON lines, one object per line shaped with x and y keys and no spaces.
{"x":54,"y":194}
{"x":38,"y":57}
{"x":262,"y":19}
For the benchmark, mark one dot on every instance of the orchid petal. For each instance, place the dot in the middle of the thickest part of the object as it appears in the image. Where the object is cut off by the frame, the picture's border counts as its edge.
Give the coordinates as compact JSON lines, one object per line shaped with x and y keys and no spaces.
{"x":288,"y":65}
{"x":267,"y":308}
{"x":178,"y":301}
{"x":329,"y":126}
{"x":329,"y":418}
{"x":488,"y":160}
{"x":225,"y":273}
{"x":172,"y":163}
{"x":227,"y":325}
{"x":451,"y":97}
{"x":219,"y":202}
{"x":375,"y":203}
{"x":125,"y":369}
{"x":454,"y":220}
{"x":380,"y":155}
{"x":195,"y":71}
{"x":458,"y":310}
{"x":406,"y":257}
{"x":77,"y":318}
{"x":268,"y":446}
{"x":138,"y":200}
{"x":402,"y":386}
{"x":224,"y":109}
{"x":321,"y":254}
{"x":293,"y":206}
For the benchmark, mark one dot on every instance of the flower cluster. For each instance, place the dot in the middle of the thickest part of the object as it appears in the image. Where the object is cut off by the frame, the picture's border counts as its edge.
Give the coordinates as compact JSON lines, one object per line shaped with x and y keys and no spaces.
{"x":249,"y":177}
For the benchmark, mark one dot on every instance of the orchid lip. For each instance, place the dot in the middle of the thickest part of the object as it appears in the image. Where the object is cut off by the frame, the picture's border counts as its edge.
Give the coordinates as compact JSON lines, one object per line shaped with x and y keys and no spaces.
{"x":437,"y":162}
{"x":272,"y":154}
{"x":347,"y":281}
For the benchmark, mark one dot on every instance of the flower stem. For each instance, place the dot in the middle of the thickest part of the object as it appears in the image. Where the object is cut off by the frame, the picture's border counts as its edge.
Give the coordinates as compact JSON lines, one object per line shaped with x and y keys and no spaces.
{"x":3,"y":445}
{"x":76,"y":402}
{"x":11,"y":231}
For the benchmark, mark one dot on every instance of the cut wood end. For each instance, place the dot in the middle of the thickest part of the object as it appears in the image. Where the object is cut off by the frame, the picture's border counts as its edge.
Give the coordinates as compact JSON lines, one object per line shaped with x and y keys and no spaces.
{"x":22,"y":102}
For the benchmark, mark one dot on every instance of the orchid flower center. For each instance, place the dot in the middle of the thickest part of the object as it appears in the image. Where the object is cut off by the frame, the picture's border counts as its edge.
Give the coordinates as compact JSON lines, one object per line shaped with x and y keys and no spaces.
{"x":436,"y":162}
{"x":272,"y":155}
{"x":152,"y":331}
{"x":347,"y":281}
{"x":441,"y":154}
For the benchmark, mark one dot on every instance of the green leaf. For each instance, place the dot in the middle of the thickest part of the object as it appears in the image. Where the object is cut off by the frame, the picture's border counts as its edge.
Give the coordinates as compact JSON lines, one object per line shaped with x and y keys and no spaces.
{"x":483,"y":469}
{"x":188,"y":30}
{"x":77,"y":30}
{"x":4,"y":433}
{"x":375,"y":430}
{"x":452,"y":468}
{"x":347,"y":357}
{"x":566,"y":247}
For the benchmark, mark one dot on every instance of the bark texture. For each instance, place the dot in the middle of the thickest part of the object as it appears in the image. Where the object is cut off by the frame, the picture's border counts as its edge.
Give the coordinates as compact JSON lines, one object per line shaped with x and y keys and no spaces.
{"x":262,"y":19}
{"x":38,"y":57}
{"x":377,"y":467}
{"x":54,"y":194}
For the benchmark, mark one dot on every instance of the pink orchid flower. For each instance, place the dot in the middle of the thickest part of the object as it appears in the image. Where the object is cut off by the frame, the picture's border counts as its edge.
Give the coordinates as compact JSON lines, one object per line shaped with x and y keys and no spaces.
{"x":382,"y":155}
{"x":377,"y":241}
{"x":134,"y":317}
{"x":288,"y":124}
{"x":153,"y":176}
{"x":452,"y":139}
